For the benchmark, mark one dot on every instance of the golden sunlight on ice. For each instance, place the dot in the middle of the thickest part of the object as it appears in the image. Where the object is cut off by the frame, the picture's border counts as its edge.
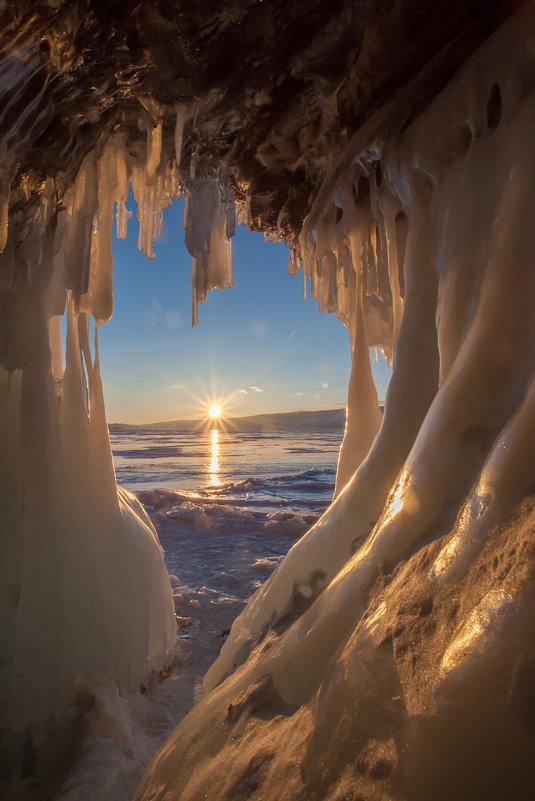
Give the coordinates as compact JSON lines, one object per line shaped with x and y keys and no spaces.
{"x":396,"y":500}
{"x":469,"y":638}
{"x":215,"y":460}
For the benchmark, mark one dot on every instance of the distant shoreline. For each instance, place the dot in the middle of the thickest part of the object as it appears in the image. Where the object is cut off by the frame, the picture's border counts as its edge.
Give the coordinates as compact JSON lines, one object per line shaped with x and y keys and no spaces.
{"x":321,"y":420}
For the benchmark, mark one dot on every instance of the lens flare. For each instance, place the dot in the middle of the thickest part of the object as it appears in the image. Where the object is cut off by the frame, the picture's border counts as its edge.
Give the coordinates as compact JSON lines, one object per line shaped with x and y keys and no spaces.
{"x":214,"y":412}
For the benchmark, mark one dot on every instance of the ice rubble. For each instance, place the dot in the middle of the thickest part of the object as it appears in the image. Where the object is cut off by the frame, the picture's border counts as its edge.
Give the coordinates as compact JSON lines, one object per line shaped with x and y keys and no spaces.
{"x":392,"y":651}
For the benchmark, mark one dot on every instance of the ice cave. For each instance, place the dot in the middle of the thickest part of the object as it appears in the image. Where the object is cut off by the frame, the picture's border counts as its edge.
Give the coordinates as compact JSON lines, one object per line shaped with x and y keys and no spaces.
{"x":391,"y":655}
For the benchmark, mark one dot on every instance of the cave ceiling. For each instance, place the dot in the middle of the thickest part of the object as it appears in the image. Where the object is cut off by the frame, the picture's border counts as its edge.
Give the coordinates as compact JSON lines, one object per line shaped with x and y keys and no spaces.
{"x":270,"y":90}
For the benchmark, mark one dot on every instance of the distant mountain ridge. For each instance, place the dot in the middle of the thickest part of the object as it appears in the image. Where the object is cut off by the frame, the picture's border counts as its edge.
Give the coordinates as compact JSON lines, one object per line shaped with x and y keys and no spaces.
{"x":321,"y":420}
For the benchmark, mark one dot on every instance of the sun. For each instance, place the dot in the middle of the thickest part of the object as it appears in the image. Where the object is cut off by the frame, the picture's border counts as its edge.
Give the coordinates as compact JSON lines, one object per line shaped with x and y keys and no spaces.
{"x":214,"y":412}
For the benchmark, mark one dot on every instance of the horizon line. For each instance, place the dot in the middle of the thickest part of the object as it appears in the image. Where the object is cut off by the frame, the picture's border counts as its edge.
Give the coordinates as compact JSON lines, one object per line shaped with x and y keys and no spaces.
{"x":203,"y":420}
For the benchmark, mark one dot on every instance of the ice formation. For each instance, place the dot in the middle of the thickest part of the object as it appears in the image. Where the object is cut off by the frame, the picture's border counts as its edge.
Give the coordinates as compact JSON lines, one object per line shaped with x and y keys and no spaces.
{"x":392,"y":650}
{"x":377,"y":652}
{"x":85,"y":590}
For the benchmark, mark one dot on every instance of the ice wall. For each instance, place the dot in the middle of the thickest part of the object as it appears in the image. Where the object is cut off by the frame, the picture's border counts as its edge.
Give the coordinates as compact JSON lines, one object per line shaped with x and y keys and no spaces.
{"x":391,"y":654}
{"x":84,"y":588}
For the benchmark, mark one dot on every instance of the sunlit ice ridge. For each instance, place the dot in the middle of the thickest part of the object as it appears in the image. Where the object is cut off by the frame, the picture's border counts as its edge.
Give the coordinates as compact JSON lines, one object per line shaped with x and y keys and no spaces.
{"x":391,"y":653}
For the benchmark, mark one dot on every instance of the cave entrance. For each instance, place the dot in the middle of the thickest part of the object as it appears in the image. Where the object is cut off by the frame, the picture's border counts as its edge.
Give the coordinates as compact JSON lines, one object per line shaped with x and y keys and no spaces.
{"x":228,"y":494}
{"x":258,"y":351}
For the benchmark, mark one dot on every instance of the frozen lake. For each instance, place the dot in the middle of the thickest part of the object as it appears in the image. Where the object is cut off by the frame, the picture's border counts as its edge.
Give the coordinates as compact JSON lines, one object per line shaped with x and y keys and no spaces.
{"x":263,"y":467}
{"x":227,"y":505}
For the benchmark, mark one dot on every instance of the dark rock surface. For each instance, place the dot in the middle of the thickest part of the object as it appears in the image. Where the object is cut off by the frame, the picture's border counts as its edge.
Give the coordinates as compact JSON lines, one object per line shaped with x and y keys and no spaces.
{"x":272,"y":89}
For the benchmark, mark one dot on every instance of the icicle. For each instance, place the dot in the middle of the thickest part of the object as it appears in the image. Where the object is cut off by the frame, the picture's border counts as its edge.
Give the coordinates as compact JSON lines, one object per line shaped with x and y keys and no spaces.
{"x":212,"y":263}
{"x":153,"y":193}
{"x":193,"y":161}
{"x":74,"y":409}
{"x":230,"y":211}
{"x":242,"y":217}
{"x":123,"y":215}
{"x":85,"y":350}
{"x":346,"y":285}
{"x":4,"y":205}
{"x":148,"y":219}
{"x":55,"y":296}
{"x":175,"y":181}
{"x":363,"y":416}
{"x":194,"y":294}
{"x":203,"y":200}
{"x":327,"y":283}
{"x":80,"y":233}
{"x":30,"y":250}
{"x":307,"y":247}
{"x":122,"y":186}
{"x":144,"y":196}
{"x":179,"y":131}
{"x":103,"y":473}
{"x":294,"y":259}
{"x":154,"y":150}
{"x":393,"y":237}
{"x":99,"y":298}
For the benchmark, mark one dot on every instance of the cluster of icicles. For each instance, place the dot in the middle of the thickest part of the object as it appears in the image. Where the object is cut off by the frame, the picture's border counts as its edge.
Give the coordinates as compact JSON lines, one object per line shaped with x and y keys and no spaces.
{"x":84,"y":254}
{"x":81,"y":246}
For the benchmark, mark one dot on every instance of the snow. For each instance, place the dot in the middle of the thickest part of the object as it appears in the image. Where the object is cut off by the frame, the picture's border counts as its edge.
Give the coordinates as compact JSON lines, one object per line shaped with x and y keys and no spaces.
{"x":223,"y":552}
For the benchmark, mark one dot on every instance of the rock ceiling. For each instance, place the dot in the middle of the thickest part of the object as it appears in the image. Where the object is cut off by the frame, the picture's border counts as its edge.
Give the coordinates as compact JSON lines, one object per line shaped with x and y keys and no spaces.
{"x":269,"y":89}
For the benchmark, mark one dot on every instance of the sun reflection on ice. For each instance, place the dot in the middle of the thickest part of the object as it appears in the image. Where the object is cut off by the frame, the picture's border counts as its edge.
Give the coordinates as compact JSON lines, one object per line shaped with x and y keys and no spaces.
{"x":396,"y":500}
{"x":215,"y":461}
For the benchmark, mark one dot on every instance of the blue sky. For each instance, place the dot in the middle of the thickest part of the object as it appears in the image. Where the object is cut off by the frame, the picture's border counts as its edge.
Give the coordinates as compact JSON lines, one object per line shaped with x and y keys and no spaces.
{"x":257,"y":348}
